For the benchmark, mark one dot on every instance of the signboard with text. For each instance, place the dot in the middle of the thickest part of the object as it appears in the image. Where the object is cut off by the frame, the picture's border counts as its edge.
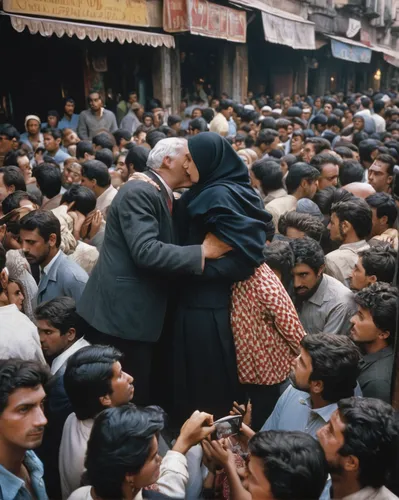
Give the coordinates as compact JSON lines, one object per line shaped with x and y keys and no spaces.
{"x":201,"y":17}
{"x":125,"y":12}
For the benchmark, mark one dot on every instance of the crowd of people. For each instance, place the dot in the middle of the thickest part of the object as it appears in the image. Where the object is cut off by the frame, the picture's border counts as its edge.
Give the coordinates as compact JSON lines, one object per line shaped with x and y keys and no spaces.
{"x":160,"y":272}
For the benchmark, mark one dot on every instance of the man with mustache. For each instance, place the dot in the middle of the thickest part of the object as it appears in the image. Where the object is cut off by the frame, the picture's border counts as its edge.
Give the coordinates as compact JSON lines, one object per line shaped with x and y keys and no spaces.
{"x":22,"y":424}
{"x":323,"y":303}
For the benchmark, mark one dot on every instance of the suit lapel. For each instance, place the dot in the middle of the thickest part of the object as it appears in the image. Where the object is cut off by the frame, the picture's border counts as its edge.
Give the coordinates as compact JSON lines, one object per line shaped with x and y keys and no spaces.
{"x":52,"y":276}
{"x":164,"y":196}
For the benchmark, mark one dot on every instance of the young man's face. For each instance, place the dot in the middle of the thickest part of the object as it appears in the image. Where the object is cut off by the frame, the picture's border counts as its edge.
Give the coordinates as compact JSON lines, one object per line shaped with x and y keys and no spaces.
{"x":331,"y":439}
{"x":69,"y":108}
{"x":72,"y":174}
{"x":33,"y":127}
{"x":95,"y":101}
{"x":329,"y":176}
{"x":36,"y":250}
{"x":4,"y":190}
{"x":308,"y":152}
{"x":22,"y":422}
{"x":6,"y":144}
{"x":283,"y":134}
{"x":52,"y":121}
{"x":50,"y":143}
{"x":379,"y":178}
{"x":257,"y":483}
{"x":334,"y":227}
{"x":359,"y":279}
{"x":305,"y":280}
{"x":122,"y":386}
{"x":363,"y":330}
{"x":51,"y":340}
{"x":301,"y":371}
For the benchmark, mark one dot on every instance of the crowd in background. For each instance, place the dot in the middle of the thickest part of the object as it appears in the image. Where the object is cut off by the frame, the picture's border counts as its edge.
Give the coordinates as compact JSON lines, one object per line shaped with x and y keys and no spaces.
{"x":233,"y":259}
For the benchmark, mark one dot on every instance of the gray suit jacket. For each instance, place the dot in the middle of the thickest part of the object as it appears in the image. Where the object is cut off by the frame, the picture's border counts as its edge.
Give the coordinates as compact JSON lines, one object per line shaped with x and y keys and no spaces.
{"x":127,"y":292}
{"x":65,"y":279}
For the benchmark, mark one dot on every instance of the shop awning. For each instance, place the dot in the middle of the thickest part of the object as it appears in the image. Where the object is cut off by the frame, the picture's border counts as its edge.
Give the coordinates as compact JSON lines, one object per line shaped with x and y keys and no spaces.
{"x":282,"y":27}
{"x":349,"y":50}
{"x":49,"y":27}
{"x":391,"y":56}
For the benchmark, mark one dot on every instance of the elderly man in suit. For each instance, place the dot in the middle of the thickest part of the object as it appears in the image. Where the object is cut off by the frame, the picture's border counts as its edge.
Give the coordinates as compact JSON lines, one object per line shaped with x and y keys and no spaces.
{"x":40,"y":235}
{"x":127,"y":292}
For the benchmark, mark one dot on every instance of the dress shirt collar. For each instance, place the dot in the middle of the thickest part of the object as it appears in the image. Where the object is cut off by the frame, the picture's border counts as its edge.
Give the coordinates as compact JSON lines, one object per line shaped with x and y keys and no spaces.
{"x":46,"y":269}
{"x":10,"y":485}
{"x":105,"y":193}
{"x":169,"y":191}
{"x":60,"y":360}
{"x":325,"y":412}
{"x":357,"y":245}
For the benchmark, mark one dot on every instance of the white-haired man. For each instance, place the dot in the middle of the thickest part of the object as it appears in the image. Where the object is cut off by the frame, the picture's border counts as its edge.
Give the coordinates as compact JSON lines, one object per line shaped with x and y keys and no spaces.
{"x":126,"y":296}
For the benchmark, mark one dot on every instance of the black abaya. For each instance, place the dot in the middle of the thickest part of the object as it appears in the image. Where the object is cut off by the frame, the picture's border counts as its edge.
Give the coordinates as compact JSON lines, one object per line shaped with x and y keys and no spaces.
{"x":223,"y":202}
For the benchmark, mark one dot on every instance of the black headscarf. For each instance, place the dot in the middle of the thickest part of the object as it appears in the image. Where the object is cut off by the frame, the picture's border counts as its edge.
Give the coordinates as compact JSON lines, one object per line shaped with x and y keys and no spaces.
{"x":138,"y":156}
{"x":232,"y":209}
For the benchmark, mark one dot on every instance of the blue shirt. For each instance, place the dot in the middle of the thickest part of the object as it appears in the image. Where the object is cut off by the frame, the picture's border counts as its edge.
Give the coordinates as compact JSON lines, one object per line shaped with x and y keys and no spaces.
{"x":293,"y":412}
{"x":232,"y":127}
{"x":72,"y":123}
{"x":61,"y":156}
{"x":13,"y":488}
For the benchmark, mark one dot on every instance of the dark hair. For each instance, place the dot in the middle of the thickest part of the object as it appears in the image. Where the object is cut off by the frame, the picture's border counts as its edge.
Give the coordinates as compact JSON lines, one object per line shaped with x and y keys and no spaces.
{"x":318,"y":161}
{"x":69,"y":99}
{"x":379,"y":261}
{"x":387,"y":160}
{"x":378,"y":106}
{"x":168,"y":131}
{"x":225,"y":104}
{"x":366,"y":102}
{"x":208,"y":114}
{"x":284,"y":123}
{"x":104,"y":140}
{"x":173,"y":120}
{"x":198,"y":124}
{"x":49,"y":179}
{"x":10,"y":132}
{"x":278,"y":256}
{"x":269,"y":173}
{"x":366,"y":147}
{"x":84,"y":147}
{"x":360,"y":137}
{"x":289,"y":159}
{"x":11,"y":158}
{"x":137,"y":157}
{"x":20,"y":374}
{"x":344,"y":152}
{"x":94,"y":169}
{"x":83,"y":198}
{"x":381,"y":300}
{"x":325,"y":198}
{"x":153,"y":137}
{"x":266,"y":136}
{"x":268,"y":122}
{"x":12,"y":201}
{"x":351,"y":171}
{"x":307,"y":251}
{"x":357,"y":213}
{"x":121,"y":134}
{"x":310,"y":225}
{"x":293,"y":463}
{"x":148,"y":114}
{"x":120,"y":443}
{"x":3,"y":258}
{"x":371,"y":434}
{"x":335,"y":361}
{"x":61,"y":314}
{"x":334,"y":121}
{"x":319,"y":144}
{"x":385,"y":205}
{"x":297,"y":173}
{"x":12,"y":176}
{"x":348,"y":145}
{"x":45,"y":222}
{"x":105,"y":156}
{"x":88,"y":377}
{"x":54,"y":132}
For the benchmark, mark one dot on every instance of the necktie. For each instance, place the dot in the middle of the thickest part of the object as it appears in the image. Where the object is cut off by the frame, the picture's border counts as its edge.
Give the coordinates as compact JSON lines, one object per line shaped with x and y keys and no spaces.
{"x":170,"y":204}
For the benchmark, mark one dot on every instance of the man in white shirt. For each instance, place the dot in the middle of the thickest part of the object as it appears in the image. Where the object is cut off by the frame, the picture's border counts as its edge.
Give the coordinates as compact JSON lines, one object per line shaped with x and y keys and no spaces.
{"x":61,"y":335}
{"x":220,"y":124}
{"x":96,"y":177}
{"x":93,"y":380}
{"x":19,"y":338}
{"x":378,"y":116}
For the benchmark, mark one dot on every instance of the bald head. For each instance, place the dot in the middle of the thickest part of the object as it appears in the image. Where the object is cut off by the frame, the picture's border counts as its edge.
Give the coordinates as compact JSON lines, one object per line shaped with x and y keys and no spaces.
{"x":359,"y":189}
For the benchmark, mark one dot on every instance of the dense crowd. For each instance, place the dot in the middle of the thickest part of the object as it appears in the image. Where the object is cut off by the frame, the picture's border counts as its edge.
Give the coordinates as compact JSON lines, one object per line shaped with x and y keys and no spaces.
{"x":200,"y":305}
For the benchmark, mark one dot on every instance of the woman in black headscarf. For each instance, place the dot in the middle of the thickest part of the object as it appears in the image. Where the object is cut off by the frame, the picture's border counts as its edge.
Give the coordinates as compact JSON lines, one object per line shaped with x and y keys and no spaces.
{"x":223,"y":203}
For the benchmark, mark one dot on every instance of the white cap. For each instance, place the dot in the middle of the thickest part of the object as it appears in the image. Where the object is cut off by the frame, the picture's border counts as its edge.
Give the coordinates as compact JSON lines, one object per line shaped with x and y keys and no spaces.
{"x":249,"y":106}
{"x":266,"y":108}
{"x":385,"y":98}
{"x":278,"y":111}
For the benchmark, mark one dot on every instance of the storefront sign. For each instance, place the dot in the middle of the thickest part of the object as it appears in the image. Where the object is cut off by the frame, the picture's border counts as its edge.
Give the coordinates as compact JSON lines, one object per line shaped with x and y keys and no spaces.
{"x":126,"y":12}
{"x":286,"y":31}
{"x":201,"y":17}
{"x":351,"y":53}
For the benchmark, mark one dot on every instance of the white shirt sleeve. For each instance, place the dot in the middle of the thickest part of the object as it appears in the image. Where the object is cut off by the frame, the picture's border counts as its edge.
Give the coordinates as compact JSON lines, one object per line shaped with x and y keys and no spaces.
{"x":174,"y":475}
